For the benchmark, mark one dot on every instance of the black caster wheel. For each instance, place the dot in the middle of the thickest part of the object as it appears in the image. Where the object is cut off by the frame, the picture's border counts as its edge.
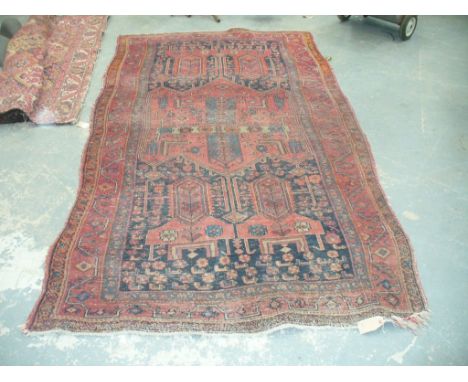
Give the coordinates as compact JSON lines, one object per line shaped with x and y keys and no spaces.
{"x":9,"y":27}
{"x":408,"y":26}
{"x":3,"y":46}
{"x":344,"y":18}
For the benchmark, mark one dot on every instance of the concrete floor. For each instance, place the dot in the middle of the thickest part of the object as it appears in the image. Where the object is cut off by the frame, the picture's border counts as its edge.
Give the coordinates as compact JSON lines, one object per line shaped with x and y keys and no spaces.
{"x":411,"y":99}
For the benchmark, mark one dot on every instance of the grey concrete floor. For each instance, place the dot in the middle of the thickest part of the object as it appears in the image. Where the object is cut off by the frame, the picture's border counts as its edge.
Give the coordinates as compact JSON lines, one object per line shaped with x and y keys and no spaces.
{"x":411,"y":100}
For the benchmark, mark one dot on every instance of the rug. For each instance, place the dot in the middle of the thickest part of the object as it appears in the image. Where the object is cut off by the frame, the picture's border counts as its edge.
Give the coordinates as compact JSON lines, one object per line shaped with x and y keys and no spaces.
{"x":226,"y":187}
{"x":48,"y":66}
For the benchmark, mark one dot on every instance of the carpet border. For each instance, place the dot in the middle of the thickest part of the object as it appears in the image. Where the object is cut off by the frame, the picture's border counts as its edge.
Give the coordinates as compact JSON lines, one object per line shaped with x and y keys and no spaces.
{"x":374,"y":181}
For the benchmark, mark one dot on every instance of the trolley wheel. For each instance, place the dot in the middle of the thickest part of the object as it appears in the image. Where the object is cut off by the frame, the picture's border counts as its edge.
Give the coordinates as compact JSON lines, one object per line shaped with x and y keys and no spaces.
{"x":408,"y":26}
{"x":344,"y":18}
{"x":9,"y":27}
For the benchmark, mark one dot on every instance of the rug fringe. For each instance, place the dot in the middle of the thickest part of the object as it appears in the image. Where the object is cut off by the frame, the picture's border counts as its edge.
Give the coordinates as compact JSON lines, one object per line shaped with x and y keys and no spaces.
{"x":413,"y":322}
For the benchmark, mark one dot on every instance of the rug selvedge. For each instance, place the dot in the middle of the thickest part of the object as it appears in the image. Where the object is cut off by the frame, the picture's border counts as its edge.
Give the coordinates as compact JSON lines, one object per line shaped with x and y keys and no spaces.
{"x":226,"y":186}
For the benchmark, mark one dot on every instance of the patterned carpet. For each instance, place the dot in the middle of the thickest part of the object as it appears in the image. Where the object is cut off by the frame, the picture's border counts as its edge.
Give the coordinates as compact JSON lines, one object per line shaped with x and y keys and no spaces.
{"x":226,"y":186}
{"x":47,"y":68}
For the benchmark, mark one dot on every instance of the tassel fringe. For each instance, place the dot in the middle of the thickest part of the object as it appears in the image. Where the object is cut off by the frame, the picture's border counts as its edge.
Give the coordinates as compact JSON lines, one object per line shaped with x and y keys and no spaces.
{"x":413,"y":322}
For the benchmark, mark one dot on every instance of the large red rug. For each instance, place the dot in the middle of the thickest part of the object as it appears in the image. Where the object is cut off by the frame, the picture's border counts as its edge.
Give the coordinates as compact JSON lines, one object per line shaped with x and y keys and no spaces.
{"x":226,"y":186}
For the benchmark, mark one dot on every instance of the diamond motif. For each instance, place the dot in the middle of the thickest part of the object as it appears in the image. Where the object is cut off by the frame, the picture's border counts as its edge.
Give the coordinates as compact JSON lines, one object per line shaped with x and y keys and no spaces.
{"x":285,"y":249}
{"x":382,"y":252}
{"x":84,"y":266}
{"x":235,"y":217}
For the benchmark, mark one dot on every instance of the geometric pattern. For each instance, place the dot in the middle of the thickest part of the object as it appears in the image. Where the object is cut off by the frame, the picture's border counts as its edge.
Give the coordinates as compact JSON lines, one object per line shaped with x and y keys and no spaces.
{"x":226,"y":187}
{"x":47,"y":68}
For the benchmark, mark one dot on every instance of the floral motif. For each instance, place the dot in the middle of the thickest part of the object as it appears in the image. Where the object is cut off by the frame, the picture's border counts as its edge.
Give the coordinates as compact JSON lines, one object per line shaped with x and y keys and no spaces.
{"x":314,"y":179}
{"x":208,"y":277}
{"x":159,"y":278}
{"x":275,"y":303}
{"x":302,"y":226}
{"x":210,"y":313}
{"x":158,"y":265}
{"x":135,"y":309}
{"x":293,"y":269}
{"x":332,"y":238}
{"x":224,"y":260}
{"x":231,"y":274}
{"x":168,"y":235}
{"x":202,"y":263}
{"x":186,"y":278}
{"x":214,"y":230}
{"x":336,"y":267}
{"x":272,"y":271}
{"x":333,"y":254}
{"x":258,"y":230}
{"x":179,"y":264}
